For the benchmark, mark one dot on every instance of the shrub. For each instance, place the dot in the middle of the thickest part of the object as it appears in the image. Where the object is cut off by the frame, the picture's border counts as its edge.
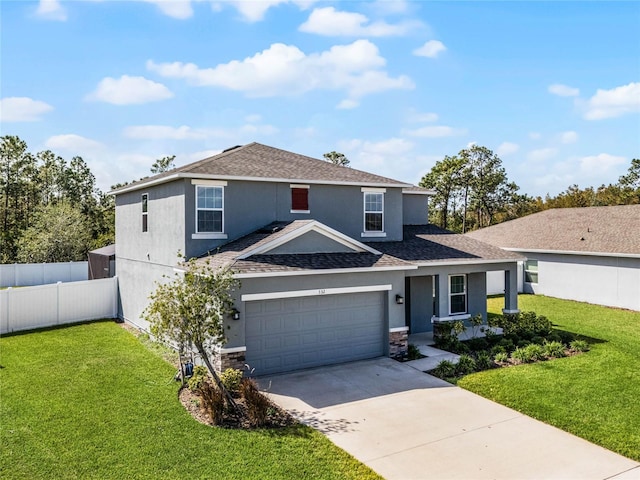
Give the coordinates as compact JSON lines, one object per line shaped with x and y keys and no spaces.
{"x":445,"y":369}
{"x":476,"y":323}
{"x":535,"y":352}
{"x":524,"y":325}
{"x":523,"y":343}
{"x":465,"y":365}
{"x":554,"y":349}
{"x":477,"y":344}
{"x":212,"y":401}
{"x":538,"y":339}
{"x":579,"y":346}
{"x":554,"y":337}
{"x":490,"y":336}
{"x":483,"y":361}
{"x":231,"y":379}
{"x":501,"y":357}
{"x":413,"y":352}
{"x":256,"y":403}
{"x":200,"y":375}
{"x":507,"y":344}
{"x":520,"y":355}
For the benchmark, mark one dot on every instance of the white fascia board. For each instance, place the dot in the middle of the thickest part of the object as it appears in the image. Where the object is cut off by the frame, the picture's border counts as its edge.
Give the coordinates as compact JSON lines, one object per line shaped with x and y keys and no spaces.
{"x":436,"y":263}
{"x":573,"y":252}
{"x":398,"y":329}
{"x":315,"y":226}
{"x":252,"y":297}
{"x":204,"y":176}
{"x":330,"y":271}
{"x":430,"y":193}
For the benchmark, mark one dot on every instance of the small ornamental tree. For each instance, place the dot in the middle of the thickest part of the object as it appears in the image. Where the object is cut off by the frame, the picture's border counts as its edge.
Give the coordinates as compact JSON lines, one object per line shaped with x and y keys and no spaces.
{"x":189,"y":311}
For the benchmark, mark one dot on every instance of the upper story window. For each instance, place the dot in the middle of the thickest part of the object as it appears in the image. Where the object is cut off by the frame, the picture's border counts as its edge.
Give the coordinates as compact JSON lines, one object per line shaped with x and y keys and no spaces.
{"x":145,"y":212}
{"x":373,"y":212}
{"x":299,"y":198}
{"x":457,"y":294}
{"x":531,"y":271}
{"x":209,"y":209}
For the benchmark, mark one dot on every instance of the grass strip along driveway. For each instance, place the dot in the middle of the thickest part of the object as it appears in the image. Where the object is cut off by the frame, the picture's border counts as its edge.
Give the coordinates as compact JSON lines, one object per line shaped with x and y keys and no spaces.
{"x":90,"y":401}
{"x":595,"y":395}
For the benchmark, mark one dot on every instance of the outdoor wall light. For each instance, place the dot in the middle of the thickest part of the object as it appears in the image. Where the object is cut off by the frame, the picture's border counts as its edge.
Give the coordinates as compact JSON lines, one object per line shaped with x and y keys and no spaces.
{"x":399,"y":299}
{"x":235,"y":314}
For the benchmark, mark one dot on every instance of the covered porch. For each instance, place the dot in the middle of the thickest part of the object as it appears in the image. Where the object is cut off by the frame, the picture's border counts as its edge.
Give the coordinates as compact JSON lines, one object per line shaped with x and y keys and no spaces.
{"x":446,"y":293}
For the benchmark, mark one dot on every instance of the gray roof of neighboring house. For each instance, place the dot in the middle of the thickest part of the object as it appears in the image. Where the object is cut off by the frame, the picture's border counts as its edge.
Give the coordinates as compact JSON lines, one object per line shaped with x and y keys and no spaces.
{"x":421,"y":244}
{"x":610,"y":230}
{"x":418,"y":190}
{"x":261,"y":162}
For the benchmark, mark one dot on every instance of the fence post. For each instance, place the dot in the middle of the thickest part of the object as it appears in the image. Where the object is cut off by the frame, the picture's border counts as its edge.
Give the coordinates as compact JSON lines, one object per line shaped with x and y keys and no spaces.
{"x":58,"y":302}
{"x":8,"y":296}
{"x":115,"y":296}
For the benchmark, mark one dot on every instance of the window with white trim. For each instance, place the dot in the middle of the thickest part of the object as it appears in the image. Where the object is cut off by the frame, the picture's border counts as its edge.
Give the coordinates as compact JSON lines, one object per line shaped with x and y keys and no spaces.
{"x":531,"y":271}
{"x":373,"y":212}
{"x":145,"y":212}
{"x":457,"y":294}
{"x":209,"y":209}
{"x":299,"y":198}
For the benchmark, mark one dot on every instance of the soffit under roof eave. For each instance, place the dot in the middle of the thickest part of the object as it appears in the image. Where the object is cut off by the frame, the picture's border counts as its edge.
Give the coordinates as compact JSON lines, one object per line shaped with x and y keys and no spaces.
{"x":169,"y":178}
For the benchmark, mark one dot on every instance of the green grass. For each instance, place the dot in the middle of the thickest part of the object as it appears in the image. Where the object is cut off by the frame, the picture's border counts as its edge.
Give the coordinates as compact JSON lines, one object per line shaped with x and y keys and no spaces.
{"x":90,"y":401}
{"x":595,"y":395}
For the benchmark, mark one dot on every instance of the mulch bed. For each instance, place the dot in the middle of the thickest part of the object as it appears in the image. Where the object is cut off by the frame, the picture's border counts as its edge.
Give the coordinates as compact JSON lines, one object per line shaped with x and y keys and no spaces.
{"x":192,"y":402}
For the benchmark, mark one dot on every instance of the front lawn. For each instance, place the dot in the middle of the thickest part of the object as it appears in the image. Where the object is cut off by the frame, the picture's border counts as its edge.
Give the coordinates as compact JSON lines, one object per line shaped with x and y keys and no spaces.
{"x":596,"y":395}
{"x":90,"y":401}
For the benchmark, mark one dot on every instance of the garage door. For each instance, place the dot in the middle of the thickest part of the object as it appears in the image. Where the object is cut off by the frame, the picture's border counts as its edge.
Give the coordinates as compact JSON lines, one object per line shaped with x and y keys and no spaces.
{"x":293,"y":333}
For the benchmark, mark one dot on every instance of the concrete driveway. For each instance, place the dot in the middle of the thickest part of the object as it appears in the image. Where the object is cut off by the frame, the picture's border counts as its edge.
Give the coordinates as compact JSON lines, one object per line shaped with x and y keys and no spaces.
{"x":405,"y":424}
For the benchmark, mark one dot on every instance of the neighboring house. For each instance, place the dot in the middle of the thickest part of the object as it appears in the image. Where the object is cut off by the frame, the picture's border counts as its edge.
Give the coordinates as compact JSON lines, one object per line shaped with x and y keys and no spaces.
{"x":589,"y":254}
{"x":336,"y":264}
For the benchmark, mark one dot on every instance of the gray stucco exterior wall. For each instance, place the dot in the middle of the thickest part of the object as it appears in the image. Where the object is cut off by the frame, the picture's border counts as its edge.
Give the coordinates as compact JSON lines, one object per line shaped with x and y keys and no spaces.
{"x":415,"y":209}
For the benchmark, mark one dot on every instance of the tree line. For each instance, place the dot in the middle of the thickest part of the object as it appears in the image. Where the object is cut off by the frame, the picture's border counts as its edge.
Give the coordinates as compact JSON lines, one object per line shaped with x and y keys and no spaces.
{"x":50,"y":208}
{"x":472,"y":191}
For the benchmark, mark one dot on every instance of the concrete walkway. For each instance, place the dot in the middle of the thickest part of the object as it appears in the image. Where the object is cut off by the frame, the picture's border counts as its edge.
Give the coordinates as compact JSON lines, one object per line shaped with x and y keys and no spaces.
{"x":409,"y":425}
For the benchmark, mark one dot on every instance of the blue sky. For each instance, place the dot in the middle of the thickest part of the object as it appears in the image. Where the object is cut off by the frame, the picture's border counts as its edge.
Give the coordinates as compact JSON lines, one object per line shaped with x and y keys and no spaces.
{"x":552,"y":87}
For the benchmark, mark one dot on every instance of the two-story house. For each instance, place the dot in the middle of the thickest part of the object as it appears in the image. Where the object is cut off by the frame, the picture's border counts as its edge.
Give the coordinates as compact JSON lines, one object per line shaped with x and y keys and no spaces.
{"x":335,"y":264}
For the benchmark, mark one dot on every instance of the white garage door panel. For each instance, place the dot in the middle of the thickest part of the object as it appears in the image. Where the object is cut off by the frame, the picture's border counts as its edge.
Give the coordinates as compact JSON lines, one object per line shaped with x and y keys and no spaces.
{"x":294,"y":333}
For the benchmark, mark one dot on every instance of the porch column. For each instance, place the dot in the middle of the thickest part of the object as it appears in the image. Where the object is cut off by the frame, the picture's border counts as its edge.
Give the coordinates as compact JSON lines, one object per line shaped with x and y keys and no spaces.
{"x":511,"y":289}
{"x":442,"y":296}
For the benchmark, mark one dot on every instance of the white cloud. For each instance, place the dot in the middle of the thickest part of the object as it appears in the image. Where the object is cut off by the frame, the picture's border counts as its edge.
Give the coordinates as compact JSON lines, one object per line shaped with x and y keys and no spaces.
{"x":184,"y":132}
{"x":22,"y":109}
{"x":542,"y":154}
{"x":507,"y":148}
{"x":73,"y":143}
{"x":162,"y":132}
{"x":180,"y":9}
{"x":436,"y":131}
{"x":283,"y":70}
{"x":196,"y":156}
{"x":535,"y":136}
{"x":253,"y":118}
{"x":598,"y":164}
{"x":563,"y":90}
{"x":569,"y":137}
{"x":431,"y":49}
{"x":391,"y":6}
{"x":128,"y":90}
{"x":417,"y":117}
{"x":255,"y":10}
{"x":614,"y":103}
{"x":386,"y":157}
{"x":330,"y":22}
{"x":51,"y":10}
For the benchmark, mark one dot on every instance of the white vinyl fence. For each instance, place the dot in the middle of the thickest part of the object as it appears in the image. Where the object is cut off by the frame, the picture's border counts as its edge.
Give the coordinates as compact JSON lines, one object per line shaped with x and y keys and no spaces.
{"x":57,"y":304}
{"x":495,"y":281}
{"x":27,"y":274}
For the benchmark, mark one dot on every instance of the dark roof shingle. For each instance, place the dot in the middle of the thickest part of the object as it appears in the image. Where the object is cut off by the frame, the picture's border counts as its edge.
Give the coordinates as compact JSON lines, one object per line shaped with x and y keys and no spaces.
{"x":261,"y":162}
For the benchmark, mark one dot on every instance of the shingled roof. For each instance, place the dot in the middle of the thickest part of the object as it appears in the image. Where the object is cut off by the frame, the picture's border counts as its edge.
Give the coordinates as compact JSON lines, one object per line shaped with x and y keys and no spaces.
{"x":255,"y":161}
{"x":608,"y":230}
{"x":231,"y":255}
{"x":422,"y":245}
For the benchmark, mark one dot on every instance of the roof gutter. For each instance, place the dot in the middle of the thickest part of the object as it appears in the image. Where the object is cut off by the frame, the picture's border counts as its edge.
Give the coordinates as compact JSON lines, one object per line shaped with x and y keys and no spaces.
{"x":573,"y":252}
{"x":204,"y":176}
